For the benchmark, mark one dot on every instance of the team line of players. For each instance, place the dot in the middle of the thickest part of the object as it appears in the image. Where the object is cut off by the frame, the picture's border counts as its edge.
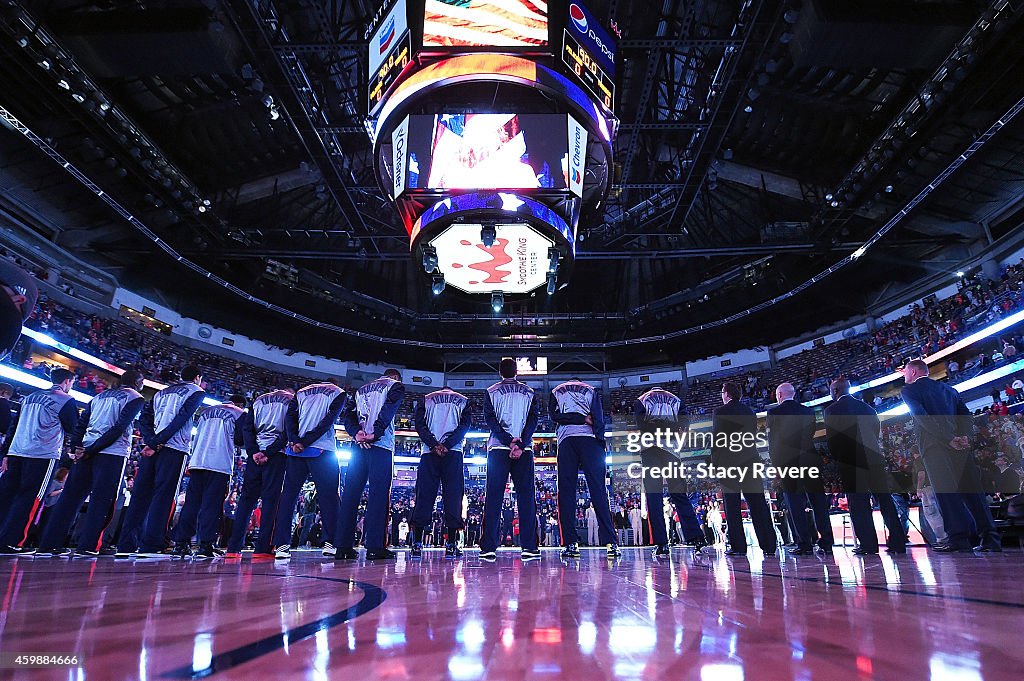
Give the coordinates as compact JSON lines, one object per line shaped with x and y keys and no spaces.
{"x":289,"y":437}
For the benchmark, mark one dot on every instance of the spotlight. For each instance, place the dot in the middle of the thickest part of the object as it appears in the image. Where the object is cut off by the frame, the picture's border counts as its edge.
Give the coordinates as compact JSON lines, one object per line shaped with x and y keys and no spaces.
{"x":553,"y":257}
{"x":552,"y":283}
{"x":888,"y":189}
{"x":429,"y":259}
{"x":437,"y":285}
{"x":497,"y":301}
{"x":274,"y":113}
{"x":488,"y":233}
{"x":828,"y":197}
{"x":748,"y":109}
{"x":960,"y":274}
{"x":63,"y":84}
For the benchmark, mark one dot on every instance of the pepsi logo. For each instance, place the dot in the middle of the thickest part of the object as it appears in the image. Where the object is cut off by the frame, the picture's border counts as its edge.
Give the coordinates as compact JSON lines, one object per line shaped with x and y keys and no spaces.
{"x":387,"y":36}
{"x":579,"y":17}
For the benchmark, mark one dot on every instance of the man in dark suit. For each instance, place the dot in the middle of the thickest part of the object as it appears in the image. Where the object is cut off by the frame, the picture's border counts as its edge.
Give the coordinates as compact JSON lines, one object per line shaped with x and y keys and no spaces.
{"x":731,"y":421}
{"x":791,"y":429}
{"x":943,"y":425}
{"x":852,"y":429}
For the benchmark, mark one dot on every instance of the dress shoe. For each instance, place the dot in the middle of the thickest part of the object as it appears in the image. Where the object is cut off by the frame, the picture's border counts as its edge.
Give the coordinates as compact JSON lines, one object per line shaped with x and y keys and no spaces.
{"x":949,"y":548}
{"x":896,"y":550}
{"x":801,"y":551}
{"x":861,"y":551}
{"x":346,"y":554}
{"x":381,"y":554}
{"x":730,"y":552}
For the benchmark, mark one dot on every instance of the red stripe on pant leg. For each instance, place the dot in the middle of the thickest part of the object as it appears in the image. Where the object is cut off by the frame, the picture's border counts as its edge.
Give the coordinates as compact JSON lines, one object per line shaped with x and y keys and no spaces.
{"x":28,"y":524}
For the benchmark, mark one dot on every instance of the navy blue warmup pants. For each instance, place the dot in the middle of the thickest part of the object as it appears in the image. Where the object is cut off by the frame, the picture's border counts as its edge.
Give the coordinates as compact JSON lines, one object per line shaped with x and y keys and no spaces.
{"x":21,"y":494}
{"x":204,"y":505}
{"x":326,"y":475}
{"x":258,"y":482}
{"x":373,"y":466}
{"x":446,"y":471}
{"x":499,"y":468}
{"x":98,"y":478}
{"x":152,"y":504}
{"x":687,"y":518}
{"x":586,"y":454}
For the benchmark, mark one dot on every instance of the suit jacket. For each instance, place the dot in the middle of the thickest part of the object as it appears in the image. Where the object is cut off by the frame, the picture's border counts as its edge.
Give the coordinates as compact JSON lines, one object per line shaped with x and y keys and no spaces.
{"x":852,"y":429}
{"x":733,"y":418}
{"x":791,"y":429}
{"x":939,"y":414}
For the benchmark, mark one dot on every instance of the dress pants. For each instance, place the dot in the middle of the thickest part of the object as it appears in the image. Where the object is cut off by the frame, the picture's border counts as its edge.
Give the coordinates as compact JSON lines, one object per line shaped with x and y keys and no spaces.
{"x":957,"y":483}
{"x":760,"y":517}
{"x":446,"y":471}
{"x":98,"y":478}
{"x":204,"y":505}
{"x":499,"y":468}
{"x":153,"y":492}
{"x":326,"y":474}
{"x":22,"y":489}
{"x":376,"y":467}
{"x":863,"y":521}
{"x":687,"y":518}
{"x":258,"y":483}
{"x":586,"y":454}
{"x":805,"y":535}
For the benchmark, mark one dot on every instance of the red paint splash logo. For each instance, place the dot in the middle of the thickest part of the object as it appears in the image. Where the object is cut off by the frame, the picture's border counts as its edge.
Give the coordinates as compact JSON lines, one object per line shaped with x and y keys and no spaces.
{"x":499,"y":258}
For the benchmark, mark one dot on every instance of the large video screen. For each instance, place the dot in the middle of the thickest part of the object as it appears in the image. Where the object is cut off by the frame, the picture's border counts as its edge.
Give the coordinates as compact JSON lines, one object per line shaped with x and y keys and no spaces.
{"x":489,"y":151}
{"x":485,"y":23}
{"x":532,"y":366}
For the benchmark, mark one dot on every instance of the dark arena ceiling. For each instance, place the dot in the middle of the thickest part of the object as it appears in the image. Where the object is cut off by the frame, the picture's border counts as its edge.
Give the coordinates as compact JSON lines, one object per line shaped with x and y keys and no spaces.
{"x":761,"y":142}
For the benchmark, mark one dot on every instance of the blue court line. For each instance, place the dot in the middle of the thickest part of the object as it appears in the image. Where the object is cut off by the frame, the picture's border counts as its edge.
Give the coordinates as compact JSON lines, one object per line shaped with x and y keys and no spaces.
{"x":372,"y":598}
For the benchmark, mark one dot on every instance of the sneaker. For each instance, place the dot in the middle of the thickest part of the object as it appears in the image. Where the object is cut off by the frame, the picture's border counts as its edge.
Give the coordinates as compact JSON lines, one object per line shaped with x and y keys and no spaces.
{"x":530,"y":554}
{"x":181,"y":551}
{"x":381,"y":554}
{"x":572,"y":551}
{"x":54,"y":553}
{"x":488,"y":555}
{"x":452,"y":550}
{"x":417,"y":550}
{"x":86,"y":553}
{"x":10,"y":551}
{"x":661,"y":550}
{"x":207,"y":552}
{"x":613,"y":551}
{"x":346,"y":554}
{"x":123,"y":555}
{"x":108,"y":552}
{"x":283,"y":552}
{"x":329,"y":551}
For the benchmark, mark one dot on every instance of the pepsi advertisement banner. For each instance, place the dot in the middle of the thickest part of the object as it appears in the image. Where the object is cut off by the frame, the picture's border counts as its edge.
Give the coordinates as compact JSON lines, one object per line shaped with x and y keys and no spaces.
{"x":588,"y":32}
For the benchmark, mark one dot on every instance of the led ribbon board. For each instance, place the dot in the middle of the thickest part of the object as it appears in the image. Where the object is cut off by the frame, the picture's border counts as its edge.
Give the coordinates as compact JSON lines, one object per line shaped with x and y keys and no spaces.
{"x":517,"y":261}
{"x":493,"y":68}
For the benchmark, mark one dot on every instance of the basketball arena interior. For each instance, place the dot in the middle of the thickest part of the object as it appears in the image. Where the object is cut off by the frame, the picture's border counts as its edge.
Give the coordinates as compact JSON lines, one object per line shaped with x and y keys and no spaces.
{"x":512,"y":339}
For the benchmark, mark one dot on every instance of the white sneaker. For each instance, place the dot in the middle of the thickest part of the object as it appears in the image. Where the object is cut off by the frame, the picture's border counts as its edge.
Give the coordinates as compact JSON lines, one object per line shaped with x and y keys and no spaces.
{"x":329,"y":550}
{"x":283,"y":552}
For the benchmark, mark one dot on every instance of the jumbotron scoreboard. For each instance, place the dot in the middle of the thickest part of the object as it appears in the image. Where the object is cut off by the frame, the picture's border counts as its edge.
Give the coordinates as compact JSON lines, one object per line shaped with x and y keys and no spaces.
{"x":492,"y":125}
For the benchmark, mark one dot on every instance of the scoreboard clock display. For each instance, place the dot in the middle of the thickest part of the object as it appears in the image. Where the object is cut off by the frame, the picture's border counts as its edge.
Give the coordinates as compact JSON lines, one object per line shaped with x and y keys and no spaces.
{"x":588,"y":71}
{"x":388,"y":71}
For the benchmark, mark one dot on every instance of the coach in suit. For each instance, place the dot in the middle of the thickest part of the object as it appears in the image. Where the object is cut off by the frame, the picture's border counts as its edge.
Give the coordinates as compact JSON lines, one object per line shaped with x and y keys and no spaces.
{"x":852,"y":429}
{"x":731,"y":422}
{"x":943,"y":424}
{"x":791,"y":429}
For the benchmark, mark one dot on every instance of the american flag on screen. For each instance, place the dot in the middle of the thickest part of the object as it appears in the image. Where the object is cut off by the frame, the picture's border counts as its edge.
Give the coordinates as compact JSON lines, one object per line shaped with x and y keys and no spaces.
{"x":485,"y":23}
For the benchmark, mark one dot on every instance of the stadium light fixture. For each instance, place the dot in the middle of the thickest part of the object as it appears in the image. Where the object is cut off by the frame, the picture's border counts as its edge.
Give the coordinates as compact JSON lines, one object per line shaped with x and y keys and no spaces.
{"x":553,"y":258}
{"x":437,"y":285}
{"x":497,"y":301}
{"x":429,"y":259}
{"x":488,"y":233}
{"x":552,"y":283}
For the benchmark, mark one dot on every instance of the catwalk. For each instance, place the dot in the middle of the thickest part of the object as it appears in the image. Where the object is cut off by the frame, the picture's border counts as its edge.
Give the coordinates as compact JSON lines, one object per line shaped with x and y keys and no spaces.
{"x":705,"y":617}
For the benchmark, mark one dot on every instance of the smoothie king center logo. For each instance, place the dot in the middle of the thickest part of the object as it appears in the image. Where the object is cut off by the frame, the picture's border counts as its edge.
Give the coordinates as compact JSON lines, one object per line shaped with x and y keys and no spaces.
{"x":513,"y":264}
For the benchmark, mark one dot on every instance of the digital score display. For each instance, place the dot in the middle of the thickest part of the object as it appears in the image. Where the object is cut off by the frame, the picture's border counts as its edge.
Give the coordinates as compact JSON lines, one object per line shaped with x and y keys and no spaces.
{"x":590,"y":74}
{"x":391,"y":67}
